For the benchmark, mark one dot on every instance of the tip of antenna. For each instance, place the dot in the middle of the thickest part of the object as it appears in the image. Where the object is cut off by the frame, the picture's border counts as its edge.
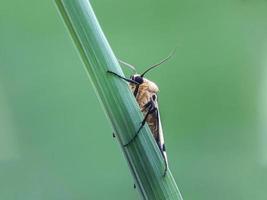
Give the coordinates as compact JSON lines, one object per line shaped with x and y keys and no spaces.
{"x":159,"y":63}
{"x":173,"y":51}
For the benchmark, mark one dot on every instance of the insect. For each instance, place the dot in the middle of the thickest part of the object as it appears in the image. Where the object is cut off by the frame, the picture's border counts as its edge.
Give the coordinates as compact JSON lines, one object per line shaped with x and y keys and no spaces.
{"x":145,"y":92}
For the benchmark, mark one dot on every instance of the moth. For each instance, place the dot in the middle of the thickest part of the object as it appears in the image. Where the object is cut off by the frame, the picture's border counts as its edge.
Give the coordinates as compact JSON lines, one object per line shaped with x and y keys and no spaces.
{"x":145,"y":92}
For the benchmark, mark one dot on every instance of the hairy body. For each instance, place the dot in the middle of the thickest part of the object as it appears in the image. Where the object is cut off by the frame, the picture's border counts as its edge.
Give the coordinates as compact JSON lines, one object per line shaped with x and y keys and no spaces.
{"x":146,"y":93}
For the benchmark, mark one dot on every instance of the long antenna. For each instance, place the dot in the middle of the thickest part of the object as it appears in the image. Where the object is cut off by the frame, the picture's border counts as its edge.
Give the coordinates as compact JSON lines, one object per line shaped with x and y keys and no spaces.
{"x":128,"y":65}
{"x":159,"y":63}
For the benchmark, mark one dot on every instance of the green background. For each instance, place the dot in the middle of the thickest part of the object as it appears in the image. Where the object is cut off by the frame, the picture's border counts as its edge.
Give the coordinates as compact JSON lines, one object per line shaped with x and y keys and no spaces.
{"x":55,"y":141}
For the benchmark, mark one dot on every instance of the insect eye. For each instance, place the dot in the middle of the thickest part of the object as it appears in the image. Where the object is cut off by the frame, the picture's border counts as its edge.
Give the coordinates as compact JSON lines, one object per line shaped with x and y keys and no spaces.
{"x":154,"y":97}
{"x":139,"y":79}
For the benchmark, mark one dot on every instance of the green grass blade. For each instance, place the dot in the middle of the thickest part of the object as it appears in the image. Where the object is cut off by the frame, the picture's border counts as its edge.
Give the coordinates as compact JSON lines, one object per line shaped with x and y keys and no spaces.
{"x":143,"y":156}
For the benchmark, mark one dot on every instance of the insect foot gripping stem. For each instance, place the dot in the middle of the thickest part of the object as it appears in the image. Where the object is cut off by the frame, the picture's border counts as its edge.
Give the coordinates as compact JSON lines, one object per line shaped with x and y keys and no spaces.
{"x":163,"y":153}
{"x":166,"y":167}
{"x":131,"y":140}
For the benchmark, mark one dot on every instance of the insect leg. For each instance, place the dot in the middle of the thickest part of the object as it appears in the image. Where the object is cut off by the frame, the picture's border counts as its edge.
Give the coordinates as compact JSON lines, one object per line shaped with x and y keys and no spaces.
{"x":126,"y":79}
{"x":163,"y":153}
{"x":151,"y":110}
{"x":165,"y":160}
{"x":128,"y":65}
{"x":148,"y":104}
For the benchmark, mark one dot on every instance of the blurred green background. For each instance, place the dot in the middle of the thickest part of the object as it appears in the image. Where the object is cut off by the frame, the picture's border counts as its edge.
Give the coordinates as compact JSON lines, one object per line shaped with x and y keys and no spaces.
{"x":55,"y":141}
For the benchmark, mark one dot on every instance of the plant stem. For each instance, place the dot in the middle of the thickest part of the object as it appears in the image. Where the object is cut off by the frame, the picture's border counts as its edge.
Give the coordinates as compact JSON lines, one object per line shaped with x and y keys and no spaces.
{"x":143,"y":156}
